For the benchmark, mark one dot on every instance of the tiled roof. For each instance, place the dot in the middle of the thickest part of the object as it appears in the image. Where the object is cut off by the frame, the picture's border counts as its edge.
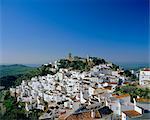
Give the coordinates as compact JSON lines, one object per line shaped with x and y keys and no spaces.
{"x":108,"y":87}
{"x":142,"y":100}
{"x":82,"y":116}
{"x":132,"y":113}
{"x":126,"y":83}
{"x":63,"y":117}
{"x":86,"y":115}
{"x":112,"y":82}
{"x":66,"y":115}
{"x":115,"y":83}
{"x":120,"y":96}
{"x":146,"y":69}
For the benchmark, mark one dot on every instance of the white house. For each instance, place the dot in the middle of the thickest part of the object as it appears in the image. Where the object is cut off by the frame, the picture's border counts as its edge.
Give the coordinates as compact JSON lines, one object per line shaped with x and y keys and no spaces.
{"x":144,"y":77}
{"x":91,"y":91}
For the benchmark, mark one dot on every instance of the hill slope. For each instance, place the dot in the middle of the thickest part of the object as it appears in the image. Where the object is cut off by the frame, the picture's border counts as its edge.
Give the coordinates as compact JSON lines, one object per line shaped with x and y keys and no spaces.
{"x":16,"y":69}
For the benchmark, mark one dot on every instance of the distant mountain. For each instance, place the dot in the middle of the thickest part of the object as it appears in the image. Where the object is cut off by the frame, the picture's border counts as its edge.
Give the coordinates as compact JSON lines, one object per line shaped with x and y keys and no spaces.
{"x":15,"y":69}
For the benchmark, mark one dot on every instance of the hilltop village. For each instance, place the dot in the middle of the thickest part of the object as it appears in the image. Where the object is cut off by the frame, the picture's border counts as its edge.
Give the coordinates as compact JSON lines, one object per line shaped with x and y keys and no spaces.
{"x":78,"y":88}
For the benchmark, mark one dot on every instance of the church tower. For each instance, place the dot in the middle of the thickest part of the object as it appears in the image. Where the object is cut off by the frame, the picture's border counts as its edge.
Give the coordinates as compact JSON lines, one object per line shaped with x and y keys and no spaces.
{"x":70,"y":58}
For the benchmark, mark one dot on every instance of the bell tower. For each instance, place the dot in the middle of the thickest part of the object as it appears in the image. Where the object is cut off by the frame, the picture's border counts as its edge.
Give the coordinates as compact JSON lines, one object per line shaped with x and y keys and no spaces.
{"x":70,"y":58}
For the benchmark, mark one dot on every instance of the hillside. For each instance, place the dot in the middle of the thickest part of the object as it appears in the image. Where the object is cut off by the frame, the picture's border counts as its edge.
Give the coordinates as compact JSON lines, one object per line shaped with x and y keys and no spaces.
{"x":16,"y":69}
{"x":12,"y":75}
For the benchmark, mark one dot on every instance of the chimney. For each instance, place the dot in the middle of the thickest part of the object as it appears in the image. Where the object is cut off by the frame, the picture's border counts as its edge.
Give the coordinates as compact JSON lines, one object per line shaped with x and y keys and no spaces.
{"x":134,"y":101}
{"x":92,"y":114}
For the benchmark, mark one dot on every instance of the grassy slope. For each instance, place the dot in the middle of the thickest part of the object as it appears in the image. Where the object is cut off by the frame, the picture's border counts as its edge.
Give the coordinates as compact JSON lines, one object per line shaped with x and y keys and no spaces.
{"x":8,"y":70}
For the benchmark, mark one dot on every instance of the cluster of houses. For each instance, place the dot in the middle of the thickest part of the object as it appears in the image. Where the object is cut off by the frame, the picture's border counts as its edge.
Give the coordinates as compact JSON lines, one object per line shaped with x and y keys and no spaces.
{"x":75,"y":95}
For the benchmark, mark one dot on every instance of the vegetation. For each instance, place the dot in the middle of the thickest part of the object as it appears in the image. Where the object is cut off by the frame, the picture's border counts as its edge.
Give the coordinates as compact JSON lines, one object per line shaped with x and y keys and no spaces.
{"x":11,"y":75}
{"x":97,"y":61}
{"x":16,"y":69}
{"x":8,"y":81}
{"x":134,"y":91}
{"x":115,"y":67}
{"x":75,"y":64}
{"x":127,"y":73}
{"x":79,"y":63}
{"x":13,"y":80}
{"x":12,"y":110}
{"x":19,"y":73}
{"x":45,"y":69}
{"x":16,"y":111}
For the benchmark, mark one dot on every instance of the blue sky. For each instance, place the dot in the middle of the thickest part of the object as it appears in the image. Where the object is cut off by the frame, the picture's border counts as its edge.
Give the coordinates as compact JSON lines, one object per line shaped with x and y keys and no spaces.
{"x":38,"y":31}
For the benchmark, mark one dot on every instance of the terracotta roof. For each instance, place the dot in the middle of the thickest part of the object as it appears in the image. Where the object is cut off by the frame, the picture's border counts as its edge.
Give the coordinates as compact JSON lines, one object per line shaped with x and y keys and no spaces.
{"x":142,"y":100}
{"x":120,"y":96}
{"x":146,"y":69}
{"x":108,"y":87}
{"x":112,"y":83}
{"x":126,"y":83}
{"x":117,"y":82}
{"x":65,"y":115}
{"x":87,"y":115}
{"x":82,"y":116}
{"x":132,"y":113}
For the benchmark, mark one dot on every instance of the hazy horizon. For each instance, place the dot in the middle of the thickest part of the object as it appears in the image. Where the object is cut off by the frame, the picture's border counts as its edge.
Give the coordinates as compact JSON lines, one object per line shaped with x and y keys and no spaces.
{"x":36,"y":32}
{"x":46,"y":61}
{"x":125,"y":66}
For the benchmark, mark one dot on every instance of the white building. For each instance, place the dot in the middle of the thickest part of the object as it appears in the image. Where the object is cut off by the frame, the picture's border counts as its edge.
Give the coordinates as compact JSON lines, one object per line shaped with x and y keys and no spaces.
{"x":144,"y":77}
